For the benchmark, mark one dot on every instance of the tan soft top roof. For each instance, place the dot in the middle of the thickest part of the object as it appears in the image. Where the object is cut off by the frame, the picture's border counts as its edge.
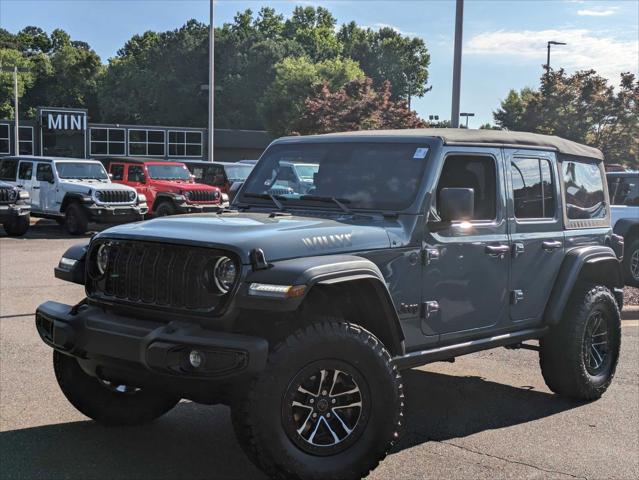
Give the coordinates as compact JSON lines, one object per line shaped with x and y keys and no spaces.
{"x":462,"y":136}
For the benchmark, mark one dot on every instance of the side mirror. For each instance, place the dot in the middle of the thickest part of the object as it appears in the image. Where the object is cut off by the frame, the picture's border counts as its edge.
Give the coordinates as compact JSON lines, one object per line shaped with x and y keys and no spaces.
{"x":456,"y":204}
{"x":110,"y":176}
{"x":234,"y":189}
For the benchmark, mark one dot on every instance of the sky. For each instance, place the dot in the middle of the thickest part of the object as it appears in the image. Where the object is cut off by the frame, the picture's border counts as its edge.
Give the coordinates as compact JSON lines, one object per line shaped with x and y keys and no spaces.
{"x":504,"y":43}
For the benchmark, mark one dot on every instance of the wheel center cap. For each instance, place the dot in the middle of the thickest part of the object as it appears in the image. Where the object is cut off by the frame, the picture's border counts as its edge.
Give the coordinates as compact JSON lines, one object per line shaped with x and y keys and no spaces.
{"x":322,"y":405}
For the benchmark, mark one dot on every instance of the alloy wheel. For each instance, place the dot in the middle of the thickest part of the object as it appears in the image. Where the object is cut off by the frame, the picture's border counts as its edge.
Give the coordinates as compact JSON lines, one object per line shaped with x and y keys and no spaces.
{"x":596,"y":348}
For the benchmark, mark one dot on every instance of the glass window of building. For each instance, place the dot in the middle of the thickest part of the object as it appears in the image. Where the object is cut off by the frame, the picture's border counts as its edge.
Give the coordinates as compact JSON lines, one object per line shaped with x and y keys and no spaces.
{"x":185,"y":143}
{"x":26,"y":140}
{"x":107,"y":141}
{"x":146,"y":142}
{"x":4,"y":139}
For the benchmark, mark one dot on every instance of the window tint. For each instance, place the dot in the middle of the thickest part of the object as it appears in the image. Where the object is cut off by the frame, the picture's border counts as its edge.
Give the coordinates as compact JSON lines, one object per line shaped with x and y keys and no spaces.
{"x":8,"y":169}
{"x":533,"y":190}
{"x":583,"y":185}
{"x":136,"y":173}
{"x":117,"y":171}
{"x":478,"y":173}
{"x":44,"y":172}
{"x":624,"y":190}
{"x":25,"y":171}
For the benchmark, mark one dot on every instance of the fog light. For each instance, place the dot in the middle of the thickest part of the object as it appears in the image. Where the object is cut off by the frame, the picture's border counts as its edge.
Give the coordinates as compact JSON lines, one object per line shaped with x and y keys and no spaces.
{"x":196,"y":358}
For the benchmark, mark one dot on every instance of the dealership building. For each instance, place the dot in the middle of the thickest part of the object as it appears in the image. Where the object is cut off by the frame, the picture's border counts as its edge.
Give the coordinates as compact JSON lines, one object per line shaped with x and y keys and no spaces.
{"x":66,"y":132}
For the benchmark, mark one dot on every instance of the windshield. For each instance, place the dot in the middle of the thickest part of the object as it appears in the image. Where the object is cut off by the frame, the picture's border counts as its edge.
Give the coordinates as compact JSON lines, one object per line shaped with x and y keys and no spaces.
{"x":377,"y":176}
{"x":81,"y":171}
{"x":238,"y":173}
{"x":168,"y":172}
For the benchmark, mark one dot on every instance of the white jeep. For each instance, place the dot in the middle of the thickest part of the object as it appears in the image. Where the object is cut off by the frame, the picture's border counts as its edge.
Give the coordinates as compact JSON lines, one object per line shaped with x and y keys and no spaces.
{"x":73,"y":191}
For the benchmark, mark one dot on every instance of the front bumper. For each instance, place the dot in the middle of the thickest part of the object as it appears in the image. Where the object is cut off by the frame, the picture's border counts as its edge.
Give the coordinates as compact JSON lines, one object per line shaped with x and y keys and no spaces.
{"x":13,"y":210}
{"x":185,"y":207}
{"x":116,"y":214}
{"x":146,"y":352}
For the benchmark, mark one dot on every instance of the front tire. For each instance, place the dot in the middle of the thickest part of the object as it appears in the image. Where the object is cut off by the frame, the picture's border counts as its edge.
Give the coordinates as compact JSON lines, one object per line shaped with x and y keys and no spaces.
{"x":631,"y":263}
{"x":327,"y":406}
{"x":107,"y":403}
{"x":165,"y":209}
{"x":17,"y":226}
{"x":76,"y":220}
{"x":579,"y":356}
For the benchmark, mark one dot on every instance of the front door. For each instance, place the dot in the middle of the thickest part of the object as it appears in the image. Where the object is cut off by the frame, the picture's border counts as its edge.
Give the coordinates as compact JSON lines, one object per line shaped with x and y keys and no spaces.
{"x":25,"y":180}
{"x":536,"y":232}
{"x":465,"y":280}
{"x":44,"y":183}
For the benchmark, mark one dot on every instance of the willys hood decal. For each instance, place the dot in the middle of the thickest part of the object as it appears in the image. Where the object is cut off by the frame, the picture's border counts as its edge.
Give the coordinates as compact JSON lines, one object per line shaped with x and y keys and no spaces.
{"x":279,"y":237}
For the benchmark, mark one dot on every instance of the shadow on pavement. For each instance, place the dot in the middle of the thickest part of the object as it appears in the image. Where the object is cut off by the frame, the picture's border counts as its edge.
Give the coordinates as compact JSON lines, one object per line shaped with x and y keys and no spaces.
{"x":49,"y":229}
{"x":196,"y":441}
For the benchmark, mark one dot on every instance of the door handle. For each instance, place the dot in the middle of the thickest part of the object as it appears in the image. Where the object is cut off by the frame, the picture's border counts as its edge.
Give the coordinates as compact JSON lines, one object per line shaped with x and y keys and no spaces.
{"x":35,"y":187}
{"x":497,"y":250}
{"x":550,"y":245}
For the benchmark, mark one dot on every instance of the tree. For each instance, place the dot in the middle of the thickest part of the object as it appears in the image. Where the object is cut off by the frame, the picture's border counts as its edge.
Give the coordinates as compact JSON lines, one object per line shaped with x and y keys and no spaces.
{"x":284,"y":101}
{"x":355,"y":106}
{"x":582,"y":107}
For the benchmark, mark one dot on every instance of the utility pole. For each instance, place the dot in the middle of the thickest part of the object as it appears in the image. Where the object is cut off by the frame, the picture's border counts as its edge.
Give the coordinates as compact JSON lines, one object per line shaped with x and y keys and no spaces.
{"x":552,"y":42}
{"x":211,"y":82}
{"x":16,"y":147}
{"x":459,"y":24}
{"x":466,"y":114}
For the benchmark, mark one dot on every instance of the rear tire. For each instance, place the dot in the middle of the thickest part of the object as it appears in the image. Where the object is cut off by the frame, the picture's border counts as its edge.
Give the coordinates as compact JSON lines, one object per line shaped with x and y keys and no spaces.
{"x":17,"y":226}
{"x":579,"y":356}
{"x":631,"y":263}
{"x":319,"y":370}
{"x":106,"y":403}
{"x":76,"y":220}
{"x":165,"y":209}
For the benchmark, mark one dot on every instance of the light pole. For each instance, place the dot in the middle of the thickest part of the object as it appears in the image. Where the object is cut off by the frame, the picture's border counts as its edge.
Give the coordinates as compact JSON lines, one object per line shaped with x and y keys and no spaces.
{"x":16,"y":127}
{"x":211,"y":82}
{"x":552,"y":42}
{"x":459,"y":24}
{"x":465,"y":114}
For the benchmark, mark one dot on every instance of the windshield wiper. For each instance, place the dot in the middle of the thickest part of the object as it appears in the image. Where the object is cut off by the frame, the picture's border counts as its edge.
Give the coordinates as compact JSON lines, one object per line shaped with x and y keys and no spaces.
{"x":337,"y":201}
{"x":267,"y":196}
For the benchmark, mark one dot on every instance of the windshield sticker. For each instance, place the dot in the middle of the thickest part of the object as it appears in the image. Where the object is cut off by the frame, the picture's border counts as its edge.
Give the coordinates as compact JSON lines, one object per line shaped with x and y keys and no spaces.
{"x":420,"y":153}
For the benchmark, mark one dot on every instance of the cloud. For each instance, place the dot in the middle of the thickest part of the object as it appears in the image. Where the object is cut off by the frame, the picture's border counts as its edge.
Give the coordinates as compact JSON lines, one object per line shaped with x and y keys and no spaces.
{"x":585,"y":49}
{"x":597,"y":12}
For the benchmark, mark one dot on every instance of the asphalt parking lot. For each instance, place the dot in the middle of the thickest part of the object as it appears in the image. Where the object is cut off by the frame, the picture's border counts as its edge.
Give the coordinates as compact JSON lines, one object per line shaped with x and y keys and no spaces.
{"x":489,"y":415}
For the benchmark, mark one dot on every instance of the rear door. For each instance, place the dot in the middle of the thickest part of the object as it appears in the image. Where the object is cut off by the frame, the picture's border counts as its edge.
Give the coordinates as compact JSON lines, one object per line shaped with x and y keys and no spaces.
{"x":25,"y":180}
{"x":536,"y":231}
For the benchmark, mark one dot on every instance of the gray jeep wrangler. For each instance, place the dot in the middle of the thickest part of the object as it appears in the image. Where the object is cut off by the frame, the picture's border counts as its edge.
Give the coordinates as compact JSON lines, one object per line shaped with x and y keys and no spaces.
{"x":300,"y":310}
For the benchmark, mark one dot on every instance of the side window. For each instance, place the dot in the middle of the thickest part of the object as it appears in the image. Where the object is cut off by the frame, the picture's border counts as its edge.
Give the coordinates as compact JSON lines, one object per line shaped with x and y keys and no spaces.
{"x":533,"y":190}
{"x":8,"y":170}
{"x":117,"y":170}
{"x":218,"y":176}
{"x":624,"y":191}
{"x":25,"y":170}
{"x":136,"y":173}
{"x":476,"y":172}
{"x":44,"y":172}
{"x":583,"y":184}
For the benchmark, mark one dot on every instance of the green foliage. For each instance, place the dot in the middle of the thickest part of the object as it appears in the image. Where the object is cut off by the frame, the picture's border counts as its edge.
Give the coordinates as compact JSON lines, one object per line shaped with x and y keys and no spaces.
{"x":580,"y":107}
{"x":58,"y":72}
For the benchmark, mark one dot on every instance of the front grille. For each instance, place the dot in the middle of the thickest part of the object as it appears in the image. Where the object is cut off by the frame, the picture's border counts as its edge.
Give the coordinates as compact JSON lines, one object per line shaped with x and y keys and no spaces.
{"x":202,"y":195}
{"x":113,"y":196}
{"x":169,"y":277}
{"x":7,"y":195}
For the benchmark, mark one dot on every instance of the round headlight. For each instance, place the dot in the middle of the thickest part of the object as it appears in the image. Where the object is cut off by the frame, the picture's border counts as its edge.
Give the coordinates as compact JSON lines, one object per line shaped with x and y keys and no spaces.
{"x":98,"y":195}
{"x":224,"y":274}
{"x":102,"y":258}
{"x":13,"y":195}
{"x":131,"y":195}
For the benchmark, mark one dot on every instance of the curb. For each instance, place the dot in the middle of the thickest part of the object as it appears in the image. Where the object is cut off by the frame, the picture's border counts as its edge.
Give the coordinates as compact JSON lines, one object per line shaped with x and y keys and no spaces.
{"x":630,"y":312}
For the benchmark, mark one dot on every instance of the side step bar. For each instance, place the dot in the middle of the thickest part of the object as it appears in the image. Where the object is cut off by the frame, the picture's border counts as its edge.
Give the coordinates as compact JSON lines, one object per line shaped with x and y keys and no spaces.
{"x":422,"y":357}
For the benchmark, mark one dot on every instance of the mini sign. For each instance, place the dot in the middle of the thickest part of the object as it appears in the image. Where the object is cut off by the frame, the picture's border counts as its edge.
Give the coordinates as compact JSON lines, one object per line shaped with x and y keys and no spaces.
{"x":64,"y":120}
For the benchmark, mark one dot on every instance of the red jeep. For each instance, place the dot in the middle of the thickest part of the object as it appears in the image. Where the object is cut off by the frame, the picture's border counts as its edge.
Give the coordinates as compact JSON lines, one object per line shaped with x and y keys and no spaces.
{"x":168,"y":186}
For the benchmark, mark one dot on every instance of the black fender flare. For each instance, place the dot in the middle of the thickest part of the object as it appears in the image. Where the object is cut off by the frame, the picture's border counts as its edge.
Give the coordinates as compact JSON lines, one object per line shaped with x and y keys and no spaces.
{"x":323,"y":271}
{"x":81,"y":198}
{"x":594,"y":263}
{"x":163,"y":197}
{"x":627,"y":227}
{"x":73,"y":273}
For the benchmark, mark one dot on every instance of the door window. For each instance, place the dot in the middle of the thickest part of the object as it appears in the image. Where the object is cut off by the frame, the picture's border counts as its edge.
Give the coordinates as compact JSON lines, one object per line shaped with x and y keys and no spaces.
{"x":533,"y":190}
{"x":44,"y":172}
{"x":25,"y":170}
{"x":136,"y":173}
{"x":476,"y":172}
{"x":624,"y":190}
{"x":584,"y":188}
{"x":117,"y":171}
{"x":8,"y":170}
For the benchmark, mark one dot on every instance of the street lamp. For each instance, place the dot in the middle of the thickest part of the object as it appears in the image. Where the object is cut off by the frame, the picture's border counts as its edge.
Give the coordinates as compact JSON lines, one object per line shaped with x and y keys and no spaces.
{"x":465,"y":114}
{"x":16,"y":133}
{"x":552,"y":42}
{"x":211,"y":81}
